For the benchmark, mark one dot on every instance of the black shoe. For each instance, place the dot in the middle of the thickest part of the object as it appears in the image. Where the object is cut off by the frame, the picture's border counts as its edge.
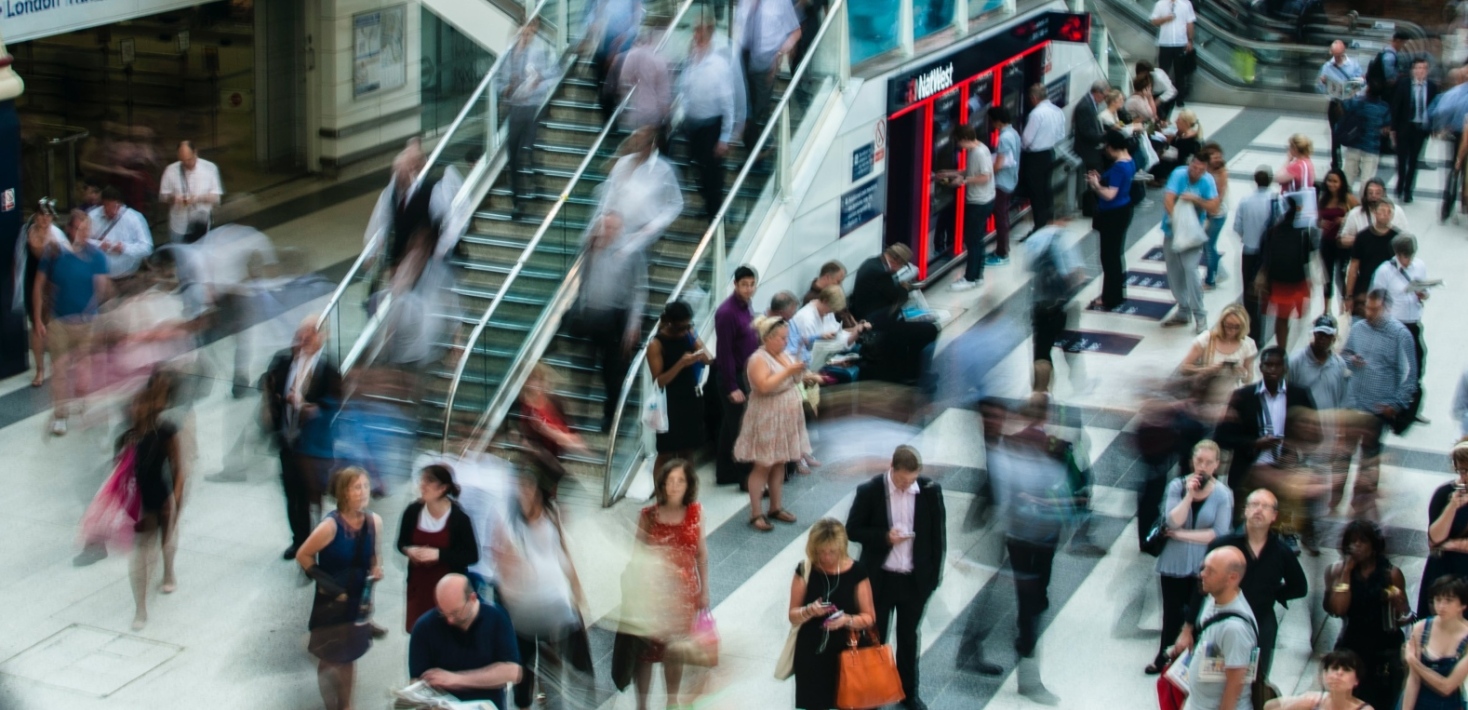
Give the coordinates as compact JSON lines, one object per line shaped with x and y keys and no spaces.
{"x":1158,"y":663}
{"x":914,"y":704}
{"x":290,"y":552}
{"x":983,"y":667}
{"x":89,"y":555}
{"x":1407,"y":199}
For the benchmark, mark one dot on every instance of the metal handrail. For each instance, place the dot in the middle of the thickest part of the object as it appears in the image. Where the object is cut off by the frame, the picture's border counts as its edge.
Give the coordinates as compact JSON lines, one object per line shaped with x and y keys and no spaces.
{"x":715,"y":226}
{"x":377,"y":239}
{"x":525,"y":255}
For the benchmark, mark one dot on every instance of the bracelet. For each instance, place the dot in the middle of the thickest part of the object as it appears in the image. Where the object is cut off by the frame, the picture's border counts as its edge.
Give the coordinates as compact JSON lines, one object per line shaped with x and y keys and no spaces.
{"x":1341,"y":587}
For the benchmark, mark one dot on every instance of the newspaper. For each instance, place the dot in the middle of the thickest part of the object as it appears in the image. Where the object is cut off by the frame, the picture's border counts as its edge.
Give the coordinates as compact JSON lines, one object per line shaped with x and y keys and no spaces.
{"x":421,"y":696}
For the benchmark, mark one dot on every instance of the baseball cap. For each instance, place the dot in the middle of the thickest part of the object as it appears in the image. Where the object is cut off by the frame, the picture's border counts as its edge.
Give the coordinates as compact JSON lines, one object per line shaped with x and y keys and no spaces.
{"x":1324,"y":324}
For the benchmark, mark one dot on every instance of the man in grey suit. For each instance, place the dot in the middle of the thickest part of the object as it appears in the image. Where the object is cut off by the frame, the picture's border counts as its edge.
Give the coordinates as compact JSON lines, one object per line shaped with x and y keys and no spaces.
{"x":1089,"y":135}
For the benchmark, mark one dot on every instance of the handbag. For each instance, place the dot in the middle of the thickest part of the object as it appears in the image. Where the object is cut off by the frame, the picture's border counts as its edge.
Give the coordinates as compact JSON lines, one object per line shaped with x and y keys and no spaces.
{"x":1187,"y":230}
{"x":701,"y":646}
{"x":655,"y":411}
{"x":785,"y":664}
{"x":868,"y":675}
{"x":113,"y":515}
{"x":1156,"y":538}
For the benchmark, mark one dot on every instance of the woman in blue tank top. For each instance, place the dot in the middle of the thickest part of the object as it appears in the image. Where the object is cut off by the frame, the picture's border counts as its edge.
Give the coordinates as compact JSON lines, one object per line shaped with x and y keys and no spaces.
{"x":1435,"y":662}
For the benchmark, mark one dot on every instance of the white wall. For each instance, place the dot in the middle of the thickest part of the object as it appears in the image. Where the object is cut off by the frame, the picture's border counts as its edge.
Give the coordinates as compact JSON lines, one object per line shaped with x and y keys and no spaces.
{"x":330,"y":89}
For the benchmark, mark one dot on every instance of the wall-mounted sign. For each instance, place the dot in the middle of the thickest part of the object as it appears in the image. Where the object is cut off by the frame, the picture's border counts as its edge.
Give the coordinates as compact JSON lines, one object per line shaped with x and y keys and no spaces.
{"x":860,"y":206}
{"x":129,"y":49}
{"x":31,"y":19}
{"x":379,"y":51}
{"x":862,"y":161}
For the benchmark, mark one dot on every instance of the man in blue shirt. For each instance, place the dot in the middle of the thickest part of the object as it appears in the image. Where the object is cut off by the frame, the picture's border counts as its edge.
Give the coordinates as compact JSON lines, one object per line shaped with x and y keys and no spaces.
{"x":1194,"y":185}
{"x":1366,"y":119}
{"x":73,"y":282}
{"x":1006,"y":179}
{"x":464,"y":647}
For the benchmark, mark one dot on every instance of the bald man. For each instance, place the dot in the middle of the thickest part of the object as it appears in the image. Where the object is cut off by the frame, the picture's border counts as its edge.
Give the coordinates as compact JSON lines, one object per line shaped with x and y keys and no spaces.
{"x":464,"y":647}
{"x":1225,"y":656}
{"x":1340,"y":78}
{"x":300,"y":387}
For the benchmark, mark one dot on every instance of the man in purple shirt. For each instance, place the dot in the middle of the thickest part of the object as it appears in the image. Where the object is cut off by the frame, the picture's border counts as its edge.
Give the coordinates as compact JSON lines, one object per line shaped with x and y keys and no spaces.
{"x":735,"y":342}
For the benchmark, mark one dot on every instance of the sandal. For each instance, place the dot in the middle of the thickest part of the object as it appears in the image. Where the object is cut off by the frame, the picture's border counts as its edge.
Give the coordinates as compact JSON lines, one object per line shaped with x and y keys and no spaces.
{"x":761,"y":524}
{"x":783,"y":516}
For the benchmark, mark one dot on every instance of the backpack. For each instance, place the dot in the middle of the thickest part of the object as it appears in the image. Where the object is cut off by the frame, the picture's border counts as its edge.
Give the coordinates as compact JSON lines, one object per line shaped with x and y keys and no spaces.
{"x":1376,"y":70}
{"x":1052,"y":288}
{"x":1287,"y":252}
{"x":1351,"y":129}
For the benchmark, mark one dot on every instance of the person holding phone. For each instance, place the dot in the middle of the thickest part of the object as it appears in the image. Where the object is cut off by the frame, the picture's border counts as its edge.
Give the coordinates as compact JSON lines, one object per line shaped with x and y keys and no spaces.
{"x":830,"y":596}
{"x":1447,"y":534}
{"x":1225,"y":351}
{"x":773,"y":431}
{"x":676,"y":359}
{"x":1365,"y":590}
{"x":1196,"y":510}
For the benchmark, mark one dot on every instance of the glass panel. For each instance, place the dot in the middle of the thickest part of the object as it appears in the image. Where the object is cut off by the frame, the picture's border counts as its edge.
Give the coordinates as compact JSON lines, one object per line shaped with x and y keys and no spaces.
{"x":453,"y":66}
{"x":873,"y":27}
{"x":990,"y":9}
{"x":930,"y":16}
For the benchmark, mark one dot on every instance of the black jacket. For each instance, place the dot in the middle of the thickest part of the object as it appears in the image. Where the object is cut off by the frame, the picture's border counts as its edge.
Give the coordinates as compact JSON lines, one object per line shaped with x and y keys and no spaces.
{"x":1088,"y":132}
{"x":324,"y":390}
{"x":1240,"y":427}
{"x":1274,"y":577}
{"x":1402,"y":108}
{"x":875,"y":295}
{"x":868,"y":523}
{"x":463,"y":549}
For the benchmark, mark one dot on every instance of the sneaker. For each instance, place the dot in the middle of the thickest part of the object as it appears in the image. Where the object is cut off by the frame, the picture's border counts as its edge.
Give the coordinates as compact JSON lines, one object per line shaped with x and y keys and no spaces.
{"x":1199,"y":326}
{"x":995,"y":260}
{"x":58,"y":427}
{"x":1175,"y":322}
{"x":966,"y":285}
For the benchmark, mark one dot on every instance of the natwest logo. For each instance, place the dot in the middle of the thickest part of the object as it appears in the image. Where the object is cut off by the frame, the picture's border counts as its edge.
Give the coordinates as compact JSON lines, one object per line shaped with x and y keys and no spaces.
{"x":925,"y":85}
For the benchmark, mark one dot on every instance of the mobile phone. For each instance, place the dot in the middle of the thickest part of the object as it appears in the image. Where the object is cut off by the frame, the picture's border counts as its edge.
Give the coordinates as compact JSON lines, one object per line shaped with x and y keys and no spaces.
{"x":835,"y":616}
{"x":1460,"y":487}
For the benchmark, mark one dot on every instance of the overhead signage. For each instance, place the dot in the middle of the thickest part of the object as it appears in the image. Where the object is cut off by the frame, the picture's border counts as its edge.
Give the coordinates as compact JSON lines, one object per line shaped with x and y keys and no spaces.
{"x":22,"y":20}
{"x":936,"y":80}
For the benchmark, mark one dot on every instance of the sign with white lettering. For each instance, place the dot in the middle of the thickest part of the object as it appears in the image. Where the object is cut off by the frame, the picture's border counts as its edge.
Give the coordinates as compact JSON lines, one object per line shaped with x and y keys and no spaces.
{"x":861,"y":162}
{"x":23,"y":20}
{"x":860,"y":206}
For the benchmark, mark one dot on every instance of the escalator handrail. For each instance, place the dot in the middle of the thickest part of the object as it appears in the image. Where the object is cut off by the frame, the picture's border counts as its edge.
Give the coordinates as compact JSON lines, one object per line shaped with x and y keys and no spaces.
{"x":498,"y":406}
{"x":634,"y":368}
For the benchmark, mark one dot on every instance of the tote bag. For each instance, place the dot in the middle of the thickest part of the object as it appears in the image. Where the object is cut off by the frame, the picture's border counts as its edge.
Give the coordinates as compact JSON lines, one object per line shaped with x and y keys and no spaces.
{"x":1187,"y":230}
{"x":868,"y":675}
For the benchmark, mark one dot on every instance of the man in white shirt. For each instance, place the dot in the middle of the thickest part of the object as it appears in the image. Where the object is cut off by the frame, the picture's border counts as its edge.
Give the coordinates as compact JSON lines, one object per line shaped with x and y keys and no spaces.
{"x":121,"y":233}
{"x":1397,"y":276}
{"x":1174,"y":22}
{"x":643,"y":188}
{"x":1044,"y":129}
{"x":191,"y":188}
{"x":766,"y":32}
{"x":816,"y":320}
{"x":977,"y":179}
{"x":1340,"y":78}
{"x":707,"y":90}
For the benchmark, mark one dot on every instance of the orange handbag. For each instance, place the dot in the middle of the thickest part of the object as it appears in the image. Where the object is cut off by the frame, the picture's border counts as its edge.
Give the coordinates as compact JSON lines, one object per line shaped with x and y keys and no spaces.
{"x":868,"y":676}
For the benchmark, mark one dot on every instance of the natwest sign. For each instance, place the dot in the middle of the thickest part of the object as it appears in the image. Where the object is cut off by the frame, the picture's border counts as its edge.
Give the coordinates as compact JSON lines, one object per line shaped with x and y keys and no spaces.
{"x":24,"y":20}
{"x":936,"y":80}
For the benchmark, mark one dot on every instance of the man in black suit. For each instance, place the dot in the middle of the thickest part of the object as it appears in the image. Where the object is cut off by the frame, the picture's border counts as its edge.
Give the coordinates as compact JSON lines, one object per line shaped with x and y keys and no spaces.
{"x":1255,"y":424}
{"x":899,"y":519}
{"x":901,"y":350}
{"x":1411,"y":125}
{"x":301,"y":387}
{"x":1088,"y":135}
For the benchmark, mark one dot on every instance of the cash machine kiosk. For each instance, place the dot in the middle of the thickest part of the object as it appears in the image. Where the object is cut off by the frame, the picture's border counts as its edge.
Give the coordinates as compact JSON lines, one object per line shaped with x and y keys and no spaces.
{"x":927,"y":102}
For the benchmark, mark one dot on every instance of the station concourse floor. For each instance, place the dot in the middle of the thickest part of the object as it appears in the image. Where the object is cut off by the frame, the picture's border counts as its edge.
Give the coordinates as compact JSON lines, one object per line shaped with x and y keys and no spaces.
{"x":233,"y":635}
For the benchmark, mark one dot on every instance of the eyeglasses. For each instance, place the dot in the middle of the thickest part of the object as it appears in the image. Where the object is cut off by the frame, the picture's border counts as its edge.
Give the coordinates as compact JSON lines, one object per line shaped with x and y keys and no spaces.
{"x":1259,"y":504}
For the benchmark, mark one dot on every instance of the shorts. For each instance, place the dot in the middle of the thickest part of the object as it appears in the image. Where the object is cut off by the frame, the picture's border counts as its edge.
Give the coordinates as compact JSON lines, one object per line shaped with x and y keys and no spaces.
{"x":1289,"y":300}
{"x":1048,"y":323}
{"x":68,"y":336}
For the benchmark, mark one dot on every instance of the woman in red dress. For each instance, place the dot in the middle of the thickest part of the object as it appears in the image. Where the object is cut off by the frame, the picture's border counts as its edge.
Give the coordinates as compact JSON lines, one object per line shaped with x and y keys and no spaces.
{"x":673,"y":527}
{"x":546,"y":431}
{"x":437,"y":536}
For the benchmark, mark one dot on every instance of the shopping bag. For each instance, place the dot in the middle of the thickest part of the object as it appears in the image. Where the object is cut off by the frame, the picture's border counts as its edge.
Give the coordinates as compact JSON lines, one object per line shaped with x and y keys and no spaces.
{"x":115,"y":510}
{"x":868,"y":675}
{"x":655,"y":411}
{"x":1187,"y":230}
{"x":701,"y":646}
{"x":785,"y":664}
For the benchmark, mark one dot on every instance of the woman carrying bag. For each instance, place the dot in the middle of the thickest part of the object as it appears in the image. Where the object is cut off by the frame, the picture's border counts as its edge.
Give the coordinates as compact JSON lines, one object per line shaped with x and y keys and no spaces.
{"x":830,"y":596}
{"x":675,"y":359}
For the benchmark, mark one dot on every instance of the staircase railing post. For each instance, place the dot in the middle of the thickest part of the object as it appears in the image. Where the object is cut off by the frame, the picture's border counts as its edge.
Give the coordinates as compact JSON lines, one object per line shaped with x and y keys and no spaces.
{"x":906,"y":27}
{"x":960,"y":17}
{"x":783,"y":154}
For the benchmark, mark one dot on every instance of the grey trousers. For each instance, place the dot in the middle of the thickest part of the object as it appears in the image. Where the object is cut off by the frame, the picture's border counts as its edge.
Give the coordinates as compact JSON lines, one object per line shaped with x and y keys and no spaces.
{"x":1183,"y":281}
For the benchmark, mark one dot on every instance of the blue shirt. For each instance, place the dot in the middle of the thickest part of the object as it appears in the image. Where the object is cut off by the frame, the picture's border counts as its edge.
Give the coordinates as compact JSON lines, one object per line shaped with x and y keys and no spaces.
{"x":73,"y":274}
{"x":1007,"y":177}
{"x":1119,"y":176}
{"x":1377,"y":116}
{"x":1177,"y":184}
{"x":438,"y":644}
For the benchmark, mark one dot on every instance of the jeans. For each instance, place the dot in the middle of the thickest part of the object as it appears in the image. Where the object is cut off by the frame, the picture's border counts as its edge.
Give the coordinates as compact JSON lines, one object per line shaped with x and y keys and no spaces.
{"x":1182,"y":280}
{"x":1210,"y":250}
{"x":975,"y":228}
{"x":1001,"y":222}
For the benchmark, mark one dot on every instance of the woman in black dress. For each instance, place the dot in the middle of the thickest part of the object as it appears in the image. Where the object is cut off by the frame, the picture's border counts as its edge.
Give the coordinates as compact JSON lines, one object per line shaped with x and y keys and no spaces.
{"x":1367,"y":592}
{"x":675,"y":358}
{"x":1447,"y":534}
{"x":833,"y":598}
{"x":155,"y":447}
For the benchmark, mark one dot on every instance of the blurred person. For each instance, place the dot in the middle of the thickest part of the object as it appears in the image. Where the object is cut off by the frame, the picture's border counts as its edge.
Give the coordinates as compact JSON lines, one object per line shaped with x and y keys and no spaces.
{"x":1320,"y":370}
{"x":1174,"y":22}
{"x":91,"y":194}
{"x":1336,"y":201}
{"x":651,"y":105}
{"x":40,"y":240}
{"x":192,"y":189}
{"x":643,"y":189}
{"x":155,"y":447}
{"x":1007,"y":150}
{"x":1341,"y":78}
{"x":1286,"y":255}
{"x":899,"y":519}
{"x":436,"y":536}
{"x":676,"y":358}
{"x":1225,"y":351}
{"x":1218,"y":168}
{"x":71,"y":285}
{"x":1255,"y":424}
{"x":608,"y":28}
{"x":1163,"y":90}
{"x":450,"y":206}
{"x":1435,"y":661}
{"x":423,"y":312}
{"x":226,"y":273}
{"x":1338,"y":679}
{"x":530,"y":74}
{"x":1363,"y":125}
{"x":1221,"y":671}
{"x":766,"y":32}
{"x":1058,"y":274}
{"x":673,"y":528}
{"x":902,"y":348}
{"x":811,"y":14}
{"x":1411,"y":124}
{"x":1197,"y":510}
{"x":121,"y":232}
{"x":342,"y":555}
{"x":1460,"y":405}
{"x":1185,"y":139}
{"x":830,"y":597}
{"x":1194,"y":185}
{"x":1252,"y":221}
{"x":1366,"y":591}
{"x":1447,"y":532}
{"x":1401,"y":277}
{"x":1391,"y":62}
{"x":1044,"y":129}
{"x":1113,"y":218}
{"x":977,"y":179}
{"x":401,"y":210}
{"x":300,"y":389}
{"x":538,"y":588}
{"x":544,"y":427}
{"x":1360,"y":218}
{"x":608,"y":308}
{"x":708,"y":88}
{"x":1383,"y":380}
{"x":772,"y":433}
{"x":734,"y":342}
{"x":464,"y":646}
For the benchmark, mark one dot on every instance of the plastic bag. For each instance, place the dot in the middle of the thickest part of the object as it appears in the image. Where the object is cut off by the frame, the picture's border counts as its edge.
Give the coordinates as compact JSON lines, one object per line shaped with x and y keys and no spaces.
{"x":115,"y":510}
{"x":1187,"y":230}
{"x":655,"y":411}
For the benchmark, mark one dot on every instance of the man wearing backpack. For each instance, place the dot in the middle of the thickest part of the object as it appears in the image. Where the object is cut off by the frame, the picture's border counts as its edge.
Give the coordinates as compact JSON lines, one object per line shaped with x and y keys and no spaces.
{"x":1226,"y":652}
{"x":1386,"y":66}
{"x":1361,"y":131}
{"x":1058,"y":274}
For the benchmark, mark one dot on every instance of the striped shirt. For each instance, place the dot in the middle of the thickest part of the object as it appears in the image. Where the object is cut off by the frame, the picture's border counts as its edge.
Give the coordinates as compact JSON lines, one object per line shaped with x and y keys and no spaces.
{"x":1388,"y":378}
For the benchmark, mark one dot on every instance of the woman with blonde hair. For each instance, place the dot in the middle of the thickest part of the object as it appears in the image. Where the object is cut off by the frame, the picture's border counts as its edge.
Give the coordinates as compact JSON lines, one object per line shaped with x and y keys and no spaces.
{"x":1226,"y":351}
{"x":1298,"y":172}
{"x":829,"y":597}
{"x":1110,"y":116}
{"x":342,"y":555}
{"x":773,"y":432}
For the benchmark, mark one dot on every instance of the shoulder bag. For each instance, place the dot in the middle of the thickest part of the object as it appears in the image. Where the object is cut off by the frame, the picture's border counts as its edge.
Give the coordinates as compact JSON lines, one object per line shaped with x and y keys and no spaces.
{"x":868,"y":675}
{"x":785,"y":664}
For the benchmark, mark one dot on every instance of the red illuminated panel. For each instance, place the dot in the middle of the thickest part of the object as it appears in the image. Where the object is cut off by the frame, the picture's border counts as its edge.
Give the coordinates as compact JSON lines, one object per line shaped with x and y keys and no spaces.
{"x":927,"y":195}
{"x":1076,"y":28}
